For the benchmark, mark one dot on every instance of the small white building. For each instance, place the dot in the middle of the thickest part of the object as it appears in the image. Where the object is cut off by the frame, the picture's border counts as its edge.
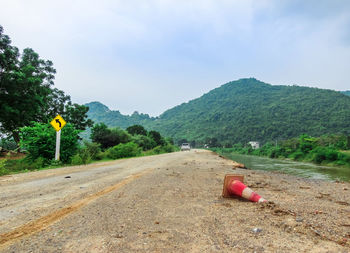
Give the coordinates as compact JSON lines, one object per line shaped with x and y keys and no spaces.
{"x":254,"y":144}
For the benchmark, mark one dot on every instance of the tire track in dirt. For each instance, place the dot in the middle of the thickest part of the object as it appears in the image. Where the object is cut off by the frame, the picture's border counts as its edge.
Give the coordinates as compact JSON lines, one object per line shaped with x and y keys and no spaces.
{"x":45,"y":221}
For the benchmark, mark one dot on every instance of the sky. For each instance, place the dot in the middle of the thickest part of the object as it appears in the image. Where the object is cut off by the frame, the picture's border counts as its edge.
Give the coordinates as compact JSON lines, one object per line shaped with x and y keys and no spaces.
{"x":151,"y":55}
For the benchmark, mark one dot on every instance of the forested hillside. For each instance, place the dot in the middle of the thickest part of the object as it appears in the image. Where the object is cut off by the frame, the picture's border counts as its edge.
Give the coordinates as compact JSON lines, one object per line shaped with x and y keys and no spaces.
{"x":245,"y":110}
{"x":102,"y":113}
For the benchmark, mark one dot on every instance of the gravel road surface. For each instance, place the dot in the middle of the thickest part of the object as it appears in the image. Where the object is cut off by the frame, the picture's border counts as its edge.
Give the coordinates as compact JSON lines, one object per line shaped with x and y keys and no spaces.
{"x":170,"y":203}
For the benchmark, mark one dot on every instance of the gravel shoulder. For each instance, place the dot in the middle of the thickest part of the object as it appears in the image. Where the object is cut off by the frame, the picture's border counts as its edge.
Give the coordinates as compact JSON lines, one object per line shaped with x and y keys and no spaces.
{"x":172,"y":203}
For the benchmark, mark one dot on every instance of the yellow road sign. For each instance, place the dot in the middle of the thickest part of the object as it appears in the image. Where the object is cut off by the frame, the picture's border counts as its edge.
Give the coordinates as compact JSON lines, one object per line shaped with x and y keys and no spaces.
{"x":58,"y":123}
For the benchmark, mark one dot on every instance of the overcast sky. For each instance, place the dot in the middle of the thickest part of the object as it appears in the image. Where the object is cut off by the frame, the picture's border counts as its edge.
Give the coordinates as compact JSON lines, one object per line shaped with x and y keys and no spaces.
{"x":150,"y":55}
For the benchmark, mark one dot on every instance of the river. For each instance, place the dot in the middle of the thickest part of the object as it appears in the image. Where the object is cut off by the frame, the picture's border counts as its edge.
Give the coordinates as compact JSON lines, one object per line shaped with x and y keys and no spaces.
{"x":306,"y":170}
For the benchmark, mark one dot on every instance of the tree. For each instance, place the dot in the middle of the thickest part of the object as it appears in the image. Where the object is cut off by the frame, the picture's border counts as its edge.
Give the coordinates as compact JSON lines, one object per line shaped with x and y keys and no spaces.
{"x":136,"y":129}
{"x":25,"y":86}
{"x":145,"y":142}
{"x":156,"y":137}
{"x":101,"y":134}
{"x":26,"y":94}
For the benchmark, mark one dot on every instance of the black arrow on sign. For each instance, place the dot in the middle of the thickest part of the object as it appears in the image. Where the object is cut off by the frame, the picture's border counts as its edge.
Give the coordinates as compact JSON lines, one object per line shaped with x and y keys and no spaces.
{"x":58,"y":121}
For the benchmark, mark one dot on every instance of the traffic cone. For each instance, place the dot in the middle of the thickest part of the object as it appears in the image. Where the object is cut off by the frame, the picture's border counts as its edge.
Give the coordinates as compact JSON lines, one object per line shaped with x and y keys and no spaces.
{"x":233,"y":186}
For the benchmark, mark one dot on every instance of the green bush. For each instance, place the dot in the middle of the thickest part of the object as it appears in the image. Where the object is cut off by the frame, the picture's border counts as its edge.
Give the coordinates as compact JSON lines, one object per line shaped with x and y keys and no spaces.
{"x":55,"y":163}
{"x":39,"y":140}
{"x":93,"y":149}
{"x":8,"y":143}
{"x":39,"y":163}
{"x":156,"y":137}
{"x":331,"y":155}
{"x":122,"y":150}
{"x":162,"y":149}
{"x":3,"y":170}
{"x":12,"y":166}
{"x":298,"y":155}
{"x":168,"y":148}
{"x":107,"y":137}
{"x":77,"y":160}
{"x":85,"y":155}
{"x":319,"y":155}
{"x":145,"y":142}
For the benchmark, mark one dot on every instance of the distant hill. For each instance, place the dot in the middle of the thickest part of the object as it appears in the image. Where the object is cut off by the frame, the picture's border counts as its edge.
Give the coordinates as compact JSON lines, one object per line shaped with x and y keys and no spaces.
{"x":242,"y":111}
{"x":347,"y":92}
{"x":98,"y":112}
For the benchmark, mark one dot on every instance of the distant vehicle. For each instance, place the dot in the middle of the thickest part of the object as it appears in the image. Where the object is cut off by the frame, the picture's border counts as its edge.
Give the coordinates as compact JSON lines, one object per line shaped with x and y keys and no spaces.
{"x":185,"y":146}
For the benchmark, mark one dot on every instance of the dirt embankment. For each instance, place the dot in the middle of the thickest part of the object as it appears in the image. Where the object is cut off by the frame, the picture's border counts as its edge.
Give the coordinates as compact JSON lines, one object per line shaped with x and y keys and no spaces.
{"x":175,"y":207}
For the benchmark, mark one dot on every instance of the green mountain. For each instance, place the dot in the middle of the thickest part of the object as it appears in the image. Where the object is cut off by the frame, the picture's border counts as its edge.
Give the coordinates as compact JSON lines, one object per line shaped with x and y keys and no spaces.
{"x":242,"y":111}
{"x":347,"y":92}
{"x":100,"y":113}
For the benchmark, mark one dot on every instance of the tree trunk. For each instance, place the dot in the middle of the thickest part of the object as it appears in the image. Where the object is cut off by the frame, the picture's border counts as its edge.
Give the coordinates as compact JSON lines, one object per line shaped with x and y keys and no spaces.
{"x":15,"y":135}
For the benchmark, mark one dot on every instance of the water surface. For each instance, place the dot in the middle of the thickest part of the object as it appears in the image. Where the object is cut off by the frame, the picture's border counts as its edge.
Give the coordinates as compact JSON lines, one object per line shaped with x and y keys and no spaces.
{"x":307,"y":170}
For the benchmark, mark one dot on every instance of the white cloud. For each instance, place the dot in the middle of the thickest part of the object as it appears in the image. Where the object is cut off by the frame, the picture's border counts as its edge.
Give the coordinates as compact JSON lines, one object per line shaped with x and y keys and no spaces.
{"x":164,"y":52}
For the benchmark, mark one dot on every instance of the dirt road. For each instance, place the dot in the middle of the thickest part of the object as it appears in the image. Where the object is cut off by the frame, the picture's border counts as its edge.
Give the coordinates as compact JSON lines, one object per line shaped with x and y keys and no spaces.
{"x":169,"y":203}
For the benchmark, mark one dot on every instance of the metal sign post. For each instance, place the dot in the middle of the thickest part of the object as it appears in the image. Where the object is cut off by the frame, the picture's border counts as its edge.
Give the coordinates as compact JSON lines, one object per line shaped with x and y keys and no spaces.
{"x":58,"y":123}
{"x":58,"y":143}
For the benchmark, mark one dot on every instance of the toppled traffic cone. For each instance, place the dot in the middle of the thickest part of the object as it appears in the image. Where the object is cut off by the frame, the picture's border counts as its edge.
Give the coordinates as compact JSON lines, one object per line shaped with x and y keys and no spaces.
{"x":233,"y":186}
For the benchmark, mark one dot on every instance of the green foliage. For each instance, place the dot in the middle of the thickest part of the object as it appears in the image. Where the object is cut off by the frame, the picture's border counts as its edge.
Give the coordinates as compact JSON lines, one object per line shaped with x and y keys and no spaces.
{"x":327,"y":149}
{"x":168,"y":148}
{"x":346,"y":92}
{"x":8,"y":144}
{"x":8,"y":166}
{"x":93,"y":149}
{"x":242,"y":111}
{"x":136,"y":130}
{"x":156,"y":137}
{"x":297,"y":156}
{"x":3,"y":170}
{"x":123,"y":150}
{"x":101,"y":113}
{"x":101,"y":134}
{"x":82,"y":157}
{"x":39,"y":140}
{"x":145,"y":142}
{"x":76,"y":160}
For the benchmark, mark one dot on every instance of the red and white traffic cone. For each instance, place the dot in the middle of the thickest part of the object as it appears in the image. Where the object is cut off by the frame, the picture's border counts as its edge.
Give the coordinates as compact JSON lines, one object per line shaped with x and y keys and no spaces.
{"x":233,"y":186}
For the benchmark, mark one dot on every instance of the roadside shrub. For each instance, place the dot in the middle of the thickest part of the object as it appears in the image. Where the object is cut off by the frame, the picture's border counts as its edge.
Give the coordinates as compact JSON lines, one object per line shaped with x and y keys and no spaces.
{"x":85,"y":156}
{"x":18,"y":165}
{"x":156,"y":137}
{"x":122,"y":150}
{"x":274,"y":152}
{"x":107,"y":137}
{"x":331,"y":155}
{"x":55,"y":163}
{"x":162,"y":149}
{"x":93,"y":149}
{"x":298,"y":155}
{"x":39,"y":163}
{"x":77,"y":160}
{"x":8,"y":144}
{"x":318,"y":155}
{"x":3,"y":170}
{"x":39,"y":140}
{"x":168,"y":148}
{"x":157,"y":150}
{"x":145,"y":142}
{"x":101,"y":156}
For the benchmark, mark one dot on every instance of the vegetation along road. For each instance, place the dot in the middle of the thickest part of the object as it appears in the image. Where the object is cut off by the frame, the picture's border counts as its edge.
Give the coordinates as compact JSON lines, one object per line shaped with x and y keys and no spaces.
{"x":170,"y":203}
